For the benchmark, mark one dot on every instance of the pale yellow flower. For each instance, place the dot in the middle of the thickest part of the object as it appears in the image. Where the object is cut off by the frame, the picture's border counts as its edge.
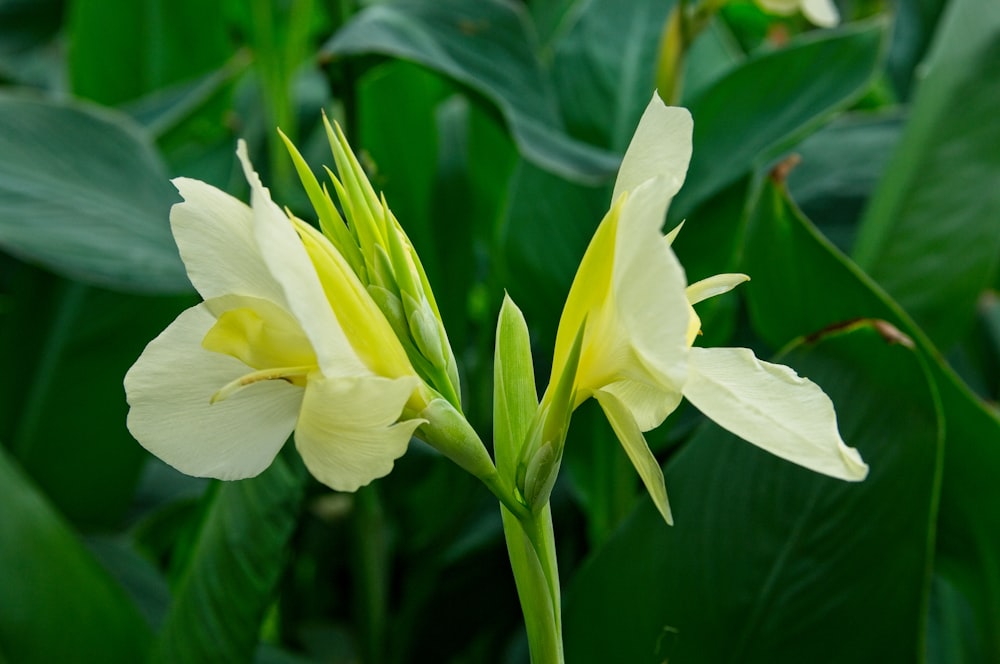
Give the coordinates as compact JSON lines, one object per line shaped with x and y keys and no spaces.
{"x":628,"y":327}
{"x":287,"y":339}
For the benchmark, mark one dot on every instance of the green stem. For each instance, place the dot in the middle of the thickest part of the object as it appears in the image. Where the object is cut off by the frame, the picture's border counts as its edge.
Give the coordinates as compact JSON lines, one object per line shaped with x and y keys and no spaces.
{"x":531,"y":547}
{"x":371,"y":551}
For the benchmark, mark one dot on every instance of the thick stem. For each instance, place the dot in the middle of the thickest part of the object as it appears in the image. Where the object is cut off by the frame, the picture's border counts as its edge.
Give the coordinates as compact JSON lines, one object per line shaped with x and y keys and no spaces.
{"x":531,"y":547}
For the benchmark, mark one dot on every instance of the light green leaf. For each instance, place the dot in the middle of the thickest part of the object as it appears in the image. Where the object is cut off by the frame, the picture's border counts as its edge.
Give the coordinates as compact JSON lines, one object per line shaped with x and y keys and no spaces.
{"x":931,"y":234}
{"x":56,"y":602}
{"x":84,"y":193}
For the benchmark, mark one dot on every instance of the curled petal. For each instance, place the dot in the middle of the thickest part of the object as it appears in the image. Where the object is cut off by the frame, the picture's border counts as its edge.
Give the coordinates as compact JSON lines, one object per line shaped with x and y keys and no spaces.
{"x":712,"y":286}
{"x":637,"y":450}
{"x":348,"y":433}
{"x":772,"y":407}
{"x":169,"y":390}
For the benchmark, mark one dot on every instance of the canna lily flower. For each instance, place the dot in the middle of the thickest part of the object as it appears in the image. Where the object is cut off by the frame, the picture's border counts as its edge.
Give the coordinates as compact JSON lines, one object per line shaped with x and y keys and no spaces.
{"x":626,"y":339}
{"x":287,"y":339}
{"x":818,"y":12}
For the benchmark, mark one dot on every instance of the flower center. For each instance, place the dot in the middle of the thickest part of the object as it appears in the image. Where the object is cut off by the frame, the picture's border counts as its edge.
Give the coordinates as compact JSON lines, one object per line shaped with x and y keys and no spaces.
{"x":264,"y":337}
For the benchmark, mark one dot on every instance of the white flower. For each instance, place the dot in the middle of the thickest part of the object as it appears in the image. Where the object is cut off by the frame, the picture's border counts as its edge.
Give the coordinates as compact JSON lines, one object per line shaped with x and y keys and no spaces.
{"x":286,"y":339}
{"x":631,"y":303}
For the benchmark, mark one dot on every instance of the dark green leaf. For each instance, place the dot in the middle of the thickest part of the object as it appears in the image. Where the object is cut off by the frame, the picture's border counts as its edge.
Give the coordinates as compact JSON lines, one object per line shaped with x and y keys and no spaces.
{"x":66,"y":348}
{"x":160,"y":42}
{"x":753,"y":113}
{"x":788,"y":565}
{"x":605,"y":69}
{"x":234,"y":567}
{"x":83,"y":193}
{"x":802,"y":284}
{"x":56,"y":603}
{"x":841,"y":164}
{"x":487,"y":46}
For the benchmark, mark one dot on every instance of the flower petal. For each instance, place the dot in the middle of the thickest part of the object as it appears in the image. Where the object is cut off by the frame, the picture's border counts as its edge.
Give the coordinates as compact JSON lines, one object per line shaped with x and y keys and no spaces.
{"x":347,"y":432}
{"x":772,"y":407}
{"x":821,"y":12}
{"x":780,"y":7}
{"x":650,"y":299}
{"x":661,"y":146}
{"x":286,"y":258}
{"x":637,"y":450}
{"x":214,"y":233}
{"x":169,"y":390}
{"x":712,"y":286}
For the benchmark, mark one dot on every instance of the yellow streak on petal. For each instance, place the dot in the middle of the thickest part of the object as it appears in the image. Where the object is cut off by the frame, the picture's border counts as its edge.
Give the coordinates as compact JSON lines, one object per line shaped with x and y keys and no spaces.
{"x":294,"y":375}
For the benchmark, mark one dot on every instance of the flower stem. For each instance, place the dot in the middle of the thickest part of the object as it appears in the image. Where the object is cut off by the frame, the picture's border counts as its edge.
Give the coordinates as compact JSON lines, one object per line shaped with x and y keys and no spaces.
{"x":531,"y":547}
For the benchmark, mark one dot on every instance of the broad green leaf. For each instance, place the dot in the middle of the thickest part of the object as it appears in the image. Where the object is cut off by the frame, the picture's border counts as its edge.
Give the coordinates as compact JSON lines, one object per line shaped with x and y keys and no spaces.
{"x":839,"y":168}
{"x":915,"y":22}
{"x":65,"y":348}
{"x":489,"y":47}
{"x":931,"y":234}
{"x":234,"y":567}
{"x":56,"y":602}
{"x":759,"y":108}
{"x":83,"y":192}
{"x":784,"y":564}
{"x":122,"y":49}
{"x":605,"y":68}
{"x":802,"y":284}
{"x":713,"y":54}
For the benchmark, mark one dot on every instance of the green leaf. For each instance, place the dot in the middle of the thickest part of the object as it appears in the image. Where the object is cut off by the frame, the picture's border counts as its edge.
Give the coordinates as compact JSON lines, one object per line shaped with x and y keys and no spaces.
{"x":790,"y":566}
{"x":757,"y":110}
{"x":489,"y":47}
{"x":57,"y":602}
{"x":840,"y":167}
{"x":931,"y":235}
{"x":234,"y":567}
{"x":605,"y":68}
{"x":124,"y":49}
{"x":84,"y":193}
{"x":548,"y":224}
{"x":65,"y":348}
{"x":789,"y":262}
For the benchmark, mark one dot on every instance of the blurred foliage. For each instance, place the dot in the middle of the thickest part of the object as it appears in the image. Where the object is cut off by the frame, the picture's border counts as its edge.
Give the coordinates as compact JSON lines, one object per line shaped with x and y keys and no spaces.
{"x":494,"y":128}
